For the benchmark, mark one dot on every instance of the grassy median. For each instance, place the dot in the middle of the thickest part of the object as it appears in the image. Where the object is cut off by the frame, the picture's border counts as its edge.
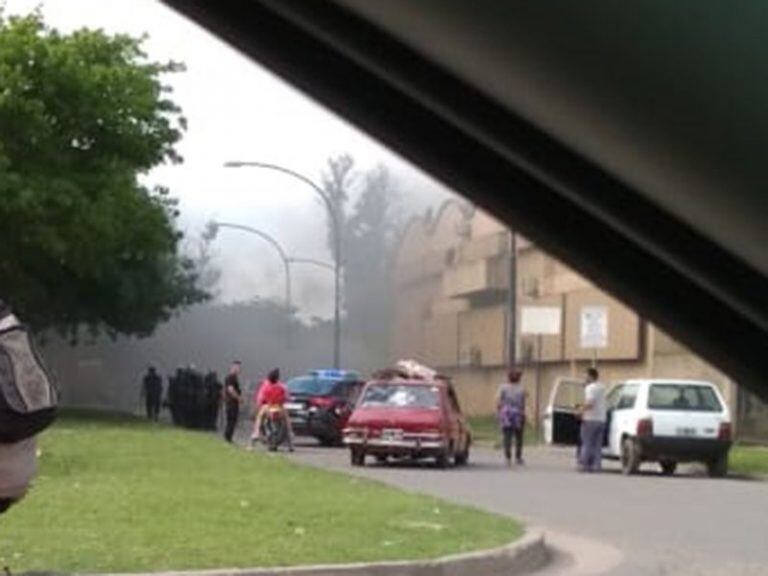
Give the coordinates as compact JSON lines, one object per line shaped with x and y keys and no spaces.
{"x":748,"y":460}
{"x":486,"y":432}
{"x":117,"y":494}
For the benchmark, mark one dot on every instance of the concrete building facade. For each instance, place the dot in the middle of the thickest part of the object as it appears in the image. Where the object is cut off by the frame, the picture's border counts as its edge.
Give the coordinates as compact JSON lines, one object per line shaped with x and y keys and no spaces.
{"x":451,"y":280}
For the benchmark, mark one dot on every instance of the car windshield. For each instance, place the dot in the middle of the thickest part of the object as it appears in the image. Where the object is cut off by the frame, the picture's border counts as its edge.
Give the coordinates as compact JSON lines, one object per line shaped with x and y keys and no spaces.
{"x":401,"y":396}
{"x":688,"y":397}
{"x":312,"y":386}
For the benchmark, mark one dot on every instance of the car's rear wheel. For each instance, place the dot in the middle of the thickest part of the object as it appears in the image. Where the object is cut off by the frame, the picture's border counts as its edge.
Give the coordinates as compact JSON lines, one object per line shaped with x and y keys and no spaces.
{"x":718,"y":467}
{"x":630,"y":456}
{"x":356,"y":457}
{"x":668,"y":467}
{"x":381,"y":458}
{"x":328,"y":441}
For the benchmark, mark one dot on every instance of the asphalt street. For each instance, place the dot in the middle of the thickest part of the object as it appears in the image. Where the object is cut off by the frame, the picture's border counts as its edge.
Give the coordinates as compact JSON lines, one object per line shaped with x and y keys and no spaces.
{"x":602,"y":523}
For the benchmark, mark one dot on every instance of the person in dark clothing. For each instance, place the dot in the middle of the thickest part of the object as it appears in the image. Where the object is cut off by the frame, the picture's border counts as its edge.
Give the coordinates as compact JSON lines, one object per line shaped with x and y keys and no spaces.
{"x":232,"y":399}
{"x":197,"y":401}
{"x":213,"y":389}
{"x":152,"y":390}
{"x":172,"y":397}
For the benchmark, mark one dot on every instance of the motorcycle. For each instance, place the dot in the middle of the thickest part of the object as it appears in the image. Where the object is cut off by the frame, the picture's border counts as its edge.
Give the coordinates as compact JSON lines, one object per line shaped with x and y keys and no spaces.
{"x":274,"y":431}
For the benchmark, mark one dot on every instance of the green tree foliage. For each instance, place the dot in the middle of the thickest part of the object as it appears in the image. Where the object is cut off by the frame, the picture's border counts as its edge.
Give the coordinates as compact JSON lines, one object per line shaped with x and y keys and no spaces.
{"x":82,"y":241}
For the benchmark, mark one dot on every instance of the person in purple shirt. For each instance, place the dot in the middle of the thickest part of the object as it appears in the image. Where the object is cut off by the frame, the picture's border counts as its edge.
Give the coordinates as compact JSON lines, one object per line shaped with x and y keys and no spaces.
{"x":510,"y":407}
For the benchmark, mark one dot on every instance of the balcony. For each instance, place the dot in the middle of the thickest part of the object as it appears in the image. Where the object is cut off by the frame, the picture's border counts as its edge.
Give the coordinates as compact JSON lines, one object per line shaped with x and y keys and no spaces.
{"x":478,"y":278}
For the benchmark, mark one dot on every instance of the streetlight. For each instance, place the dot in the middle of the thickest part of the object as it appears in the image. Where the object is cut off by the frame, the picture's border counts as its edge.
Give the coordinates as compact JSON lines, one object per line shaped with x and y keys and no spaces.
{"x":313,"y":262}
{"x":336,"y":225}
{"x":274,"y":243}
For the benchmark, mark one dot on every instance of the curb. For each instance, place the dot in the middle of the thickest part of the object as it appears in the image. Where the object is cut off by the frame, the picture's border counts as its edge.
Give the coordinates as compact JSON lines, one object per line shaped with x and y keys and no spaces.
{"x":521,"y":556}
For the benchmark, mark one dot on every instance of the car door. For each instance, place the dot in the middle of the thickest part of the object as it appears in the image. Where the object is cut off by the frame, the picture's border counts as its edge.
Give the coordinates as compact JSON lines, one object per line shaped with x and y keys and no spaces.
{"x":622,"y":400}
{"x":458,"y":426}
{"x":561,"y":420}
{"x":349,"y":392}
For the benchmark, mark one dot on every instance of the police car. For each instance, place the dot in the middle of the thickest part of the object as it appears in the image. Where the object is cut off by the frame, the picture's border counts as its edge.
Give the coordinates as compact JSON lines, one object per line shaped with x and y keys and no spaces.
{"x":320,"y":403}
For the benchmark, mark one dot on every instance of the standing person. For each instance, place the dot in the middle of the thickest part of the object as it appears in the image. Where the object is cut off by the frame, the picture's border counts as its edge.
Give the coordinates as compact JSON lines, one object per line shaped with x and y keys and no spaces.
{"x":232,"y":399}
{"x":152,"y":390}
{"x":213,"y":399}
{"x":510,"y":407}
{"x":593,"y":414}
{"x":172,"y":396}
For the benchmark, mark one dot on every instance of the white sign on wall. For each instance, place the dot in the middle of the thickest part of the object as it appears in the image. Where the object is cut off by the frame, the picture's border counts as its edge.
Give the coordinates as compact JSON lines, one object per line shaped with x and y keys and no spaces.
{"x":594,"y":327}
{"x":540,"y":320}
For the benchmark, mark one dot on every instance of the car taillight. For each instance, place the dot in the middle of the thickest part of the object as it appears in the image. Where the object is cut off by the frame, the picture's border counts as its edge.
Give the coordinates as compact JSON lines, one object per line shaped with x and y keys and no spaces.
{"x":724,"y":433}
{"x":644,"y":427}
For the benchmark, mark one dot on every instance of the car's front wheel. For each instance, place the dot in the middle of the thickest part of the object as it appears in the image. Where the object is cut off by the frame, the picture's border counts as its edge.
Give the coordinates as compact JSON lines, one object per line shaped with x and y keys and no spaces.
{"x":630,"y":456}
{"x":668,"y":467}
{"x":462,"y":458}
{"x":444,"y":458}
{"x":718,"y":466}
{"x":356,"y":457}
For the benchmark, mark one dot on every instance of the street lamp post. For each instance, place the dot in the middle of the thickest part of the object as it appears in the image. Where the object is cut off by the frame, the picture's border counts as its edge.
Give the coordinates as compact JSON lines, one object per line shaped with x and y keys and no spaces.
{"x":313,"y":262}
{"x":336,"y":225}
{"x":275,"y":244}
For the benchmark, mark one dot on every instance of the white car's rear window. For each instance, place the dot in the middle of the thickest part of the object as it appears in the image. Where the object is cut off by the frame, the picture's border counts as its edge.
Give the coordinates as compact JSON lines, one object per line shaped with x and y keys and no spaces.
{"x":685,"y":397}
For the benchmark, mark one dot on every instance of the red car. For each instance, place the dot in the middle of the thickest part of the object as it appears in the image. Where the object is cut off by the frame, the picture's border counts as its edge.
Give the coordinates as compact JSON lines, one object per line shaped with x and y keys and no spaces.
{"x":408,"y":419}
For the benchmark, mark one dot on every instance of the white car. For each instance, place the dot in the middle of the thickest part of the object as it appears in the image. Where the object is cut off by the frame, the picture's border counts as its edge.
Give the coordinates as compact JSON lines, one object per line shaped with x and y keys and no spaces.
{"x":663,"y":420}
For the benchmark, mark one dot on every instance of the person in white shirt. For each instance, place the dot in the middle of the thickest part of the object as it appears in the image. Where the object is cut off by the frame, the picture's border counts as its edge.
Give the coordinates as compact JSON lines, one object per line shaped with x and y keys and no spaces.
{"x":593,"y":416}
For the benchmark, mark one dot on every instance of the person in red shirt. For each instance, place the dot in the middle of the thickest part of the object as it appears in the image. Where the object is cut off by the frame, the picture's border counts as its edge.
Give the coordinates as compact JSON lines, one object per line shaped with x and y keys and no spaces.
{"x":272,"y":392}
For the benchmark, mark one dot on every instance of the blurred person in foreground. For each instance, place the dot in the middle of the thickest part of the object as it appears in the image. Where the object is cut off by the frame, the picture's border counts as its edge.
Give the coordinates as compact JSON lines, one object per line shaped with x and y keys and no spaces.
{"x":28,"y":401}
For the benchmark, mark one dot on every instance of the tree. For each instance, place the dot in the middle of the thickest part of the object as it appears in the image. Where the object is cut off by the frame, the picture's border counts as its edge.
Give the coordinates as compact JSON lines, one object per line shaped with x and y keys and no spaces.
{"x":371,"y":233}
{"x":338,"y":183}
{"x":82,"y":241}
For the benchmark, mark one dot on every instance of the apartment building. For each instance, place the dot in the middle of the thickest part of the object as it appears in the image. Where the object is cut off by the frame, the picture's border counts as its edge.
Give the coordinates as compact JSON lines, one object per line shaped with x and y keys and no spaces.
{"x":450,"y":280}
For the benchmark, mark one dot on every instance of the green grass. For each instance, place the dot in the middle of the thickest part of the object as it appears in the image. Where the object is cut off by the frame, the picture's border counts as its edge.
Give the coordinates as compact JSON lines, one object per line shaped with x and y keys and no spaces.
{"x":485,"y":431}
{"x":117,"y":494}
{"x":750,"y":460}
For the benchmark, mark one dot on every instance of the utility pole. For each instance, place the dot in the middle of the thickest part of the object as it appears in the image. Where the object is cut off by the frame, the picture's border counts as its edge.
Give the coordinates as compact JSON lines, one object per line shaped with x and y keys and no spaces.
{"x":512,"y":301}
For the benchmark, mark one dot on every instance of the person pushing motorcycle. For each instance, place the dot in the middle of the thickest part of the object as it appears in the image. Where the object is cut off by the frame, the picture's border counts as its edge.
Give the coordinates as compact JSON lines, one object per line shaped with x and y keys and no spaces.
{"x":271,"y":393}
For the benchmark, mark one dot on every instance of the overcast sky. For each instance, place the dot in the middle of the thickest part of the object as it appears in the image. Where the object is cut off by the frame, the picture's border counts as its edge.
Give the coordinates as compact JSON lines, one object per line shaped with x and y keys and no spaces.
{"x":239,"y":111}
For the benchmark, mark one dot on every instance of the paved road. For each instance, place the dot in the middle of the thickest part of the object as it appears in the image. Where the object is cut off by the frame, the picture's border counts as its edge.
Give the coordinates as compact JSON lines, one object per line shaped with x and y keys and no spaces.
{"x":629,"y":526}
